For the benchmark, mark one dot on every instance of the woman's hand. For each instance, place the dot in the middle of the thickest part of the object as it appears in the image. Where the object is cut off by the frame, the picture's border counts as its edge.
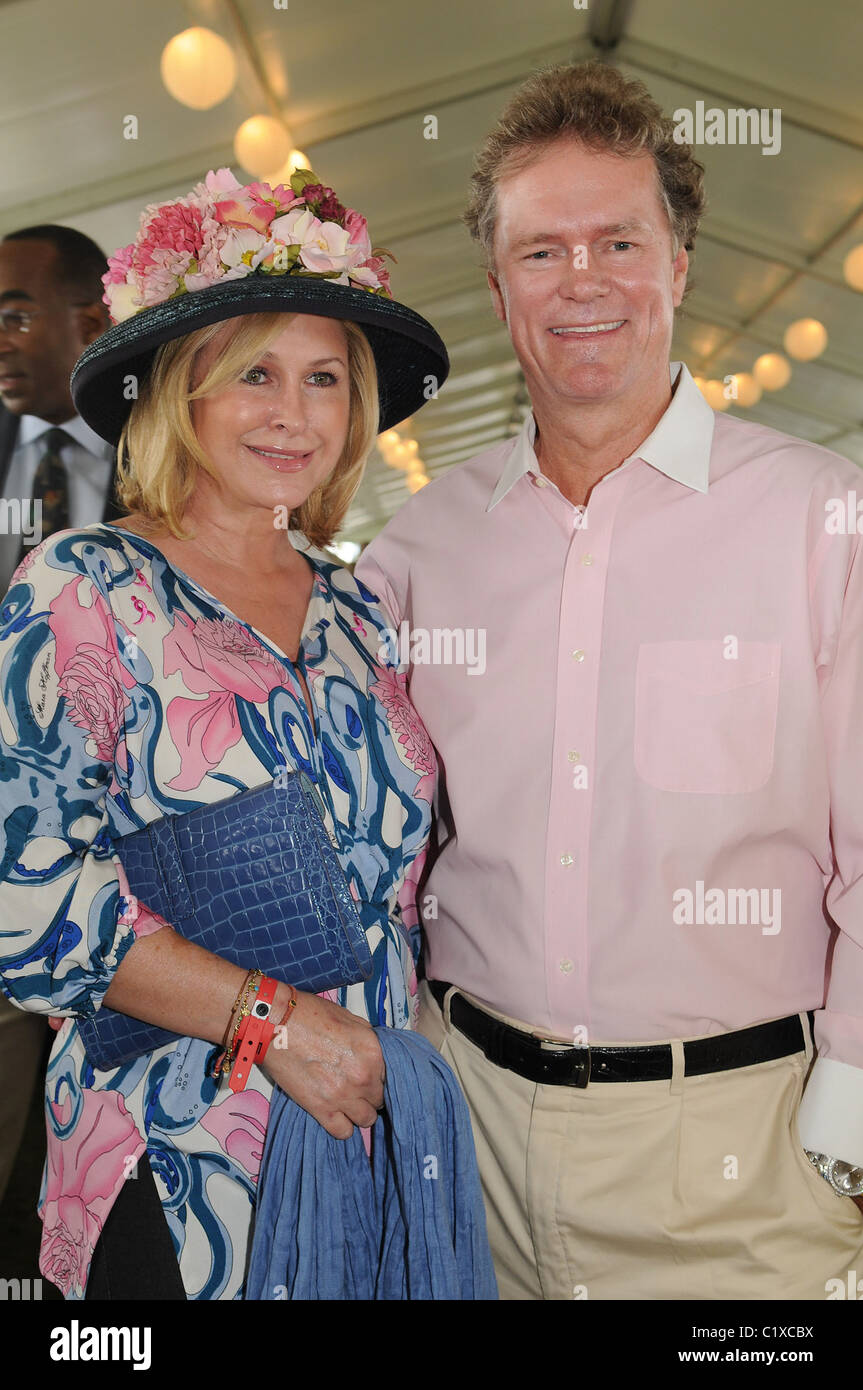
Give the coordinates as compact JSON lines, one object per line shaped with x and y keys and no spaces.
{"x":329,"y":1061}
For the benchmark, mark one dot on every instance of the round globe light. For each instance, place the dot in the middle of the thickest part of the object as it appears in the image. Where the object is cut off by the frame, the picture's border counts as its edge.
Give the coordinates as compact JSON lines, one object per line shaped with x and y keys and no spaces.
{"x":772,"y":371}
{"x":261,"y":143}
{"x":714,"y":394}
{"x":399,"y":456}
{"x":805,"y":339}
{"x":748,"y":390}
{"x":198,"y":68}
{"x":852,"y":268}
{"x":295,"y":160}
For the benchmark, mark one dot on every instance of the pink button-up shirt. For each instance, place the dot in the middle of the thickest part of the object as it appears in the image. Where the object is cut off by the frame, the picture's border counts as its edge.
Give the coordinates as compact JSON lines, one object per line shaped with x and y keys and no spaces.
{"x":649,"y":716}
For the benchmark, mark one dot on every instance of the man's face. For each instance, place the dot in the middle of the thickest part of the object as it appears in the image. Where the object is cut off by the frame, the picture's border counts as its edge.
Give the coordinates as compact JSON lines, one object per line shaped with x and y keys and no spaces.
{"x":583,"y":242}
{"x":35,"y":366}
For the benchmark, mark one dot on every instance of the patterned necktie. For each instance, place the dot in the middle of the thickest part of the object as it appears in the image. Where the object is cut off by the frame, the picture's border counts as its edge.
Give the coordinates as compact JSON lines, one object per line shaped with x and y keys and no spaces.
{"x":50,"y":487}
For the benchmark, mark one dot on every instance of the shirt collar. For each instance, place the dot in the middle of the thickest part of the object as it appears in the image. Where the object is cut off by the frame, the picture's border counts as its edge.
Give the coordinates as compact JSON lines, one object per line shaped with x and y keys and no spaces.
{"x":32,"y":427}
{"x":679,"y":446}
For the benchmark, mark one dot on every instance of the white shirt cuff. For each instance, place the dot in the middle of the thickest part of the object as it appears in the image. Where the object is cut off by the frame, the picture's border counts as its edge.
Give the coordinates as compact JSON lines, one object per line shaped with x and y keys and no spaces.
{"x":830,"y":1118}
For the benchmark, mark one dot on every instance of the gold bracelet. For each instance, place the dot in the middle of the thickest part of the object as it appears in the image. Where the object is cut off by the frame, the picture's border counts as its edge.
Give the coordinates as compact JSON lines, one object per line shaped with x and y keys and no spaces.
{"x":241,"y":1009}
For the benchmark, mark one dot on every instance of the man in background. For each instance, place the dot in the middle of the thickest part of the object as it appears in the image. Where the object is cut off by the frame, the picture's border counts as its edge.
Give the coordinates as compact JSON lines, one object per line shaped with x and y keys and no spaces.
{"x":50,"y":309}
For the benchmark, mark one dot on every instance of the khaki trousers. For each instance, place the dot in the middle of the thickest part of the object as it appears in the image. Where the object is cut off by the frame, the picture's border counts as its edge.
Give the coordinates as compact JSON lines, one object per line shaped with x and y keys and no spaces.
{"x":692,"y":1188}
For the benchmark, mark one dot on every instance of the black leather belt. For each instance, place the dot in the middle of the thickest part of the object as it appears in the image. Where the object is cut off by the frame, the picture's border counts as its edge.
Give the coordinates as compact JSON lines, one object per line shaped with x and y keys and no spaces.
{"x":574,"y":1066}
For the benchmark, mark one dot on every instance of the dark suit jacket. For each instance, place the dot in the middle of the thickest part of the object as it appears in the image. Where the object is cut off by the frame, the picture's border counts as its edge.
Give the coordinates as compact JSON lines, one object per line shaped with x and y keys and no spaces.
{"x":9,"y":435}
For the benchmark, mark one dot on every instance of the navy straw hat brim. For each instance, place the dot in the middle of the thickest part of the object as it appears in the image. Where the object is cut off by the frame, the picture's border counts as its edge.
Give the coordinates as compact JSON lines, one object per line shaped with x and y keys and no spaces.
{"x":411,"y":360}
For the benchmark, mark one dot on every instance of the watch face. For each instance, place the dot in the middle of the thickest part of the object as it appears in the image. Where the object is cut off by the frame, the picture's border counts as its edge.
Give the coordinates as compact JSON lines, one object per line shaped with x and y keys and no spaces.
{"x":261,"y":1010}
{"x":847,"y":1179}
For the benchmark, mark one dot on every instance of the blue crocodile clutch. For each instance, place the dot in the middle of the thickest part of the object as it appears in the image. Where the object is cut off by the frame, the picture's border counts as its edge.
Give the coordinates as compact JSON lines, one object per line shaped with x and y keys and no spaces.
{"x":253,"y":878}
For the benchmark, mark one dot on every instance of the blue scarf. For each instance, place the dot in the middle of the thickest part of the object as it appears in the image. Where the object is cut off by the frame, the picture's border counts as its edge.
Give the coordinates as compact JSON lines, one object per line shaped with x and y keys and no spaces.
{"x":409,"y":1225}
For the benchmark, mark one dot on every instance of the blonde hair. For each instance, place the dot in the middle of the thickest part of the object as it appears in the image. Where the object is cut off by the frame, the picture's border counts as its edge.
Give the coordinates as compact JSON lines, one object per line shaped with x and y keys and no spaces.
{"x":595,"y":104}
{"x":159,"y":453}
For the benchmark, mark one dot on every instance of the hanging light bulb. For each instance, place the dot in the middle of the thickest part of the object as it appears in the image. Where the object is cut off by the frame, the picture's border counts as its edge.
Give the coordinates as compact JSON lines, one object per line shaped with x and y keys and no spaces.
{"x":295,"y":160}
{"x":388,"y":440}
{"x":805,"y":339}
{"x":261,"y":143}
{"x":772,"y":371}
{"x":747,"y":388}
{"x":714,"y":394}
{"x":415,"y":481}
{"x":198,"y":68}
{"x":399,"y":455}
{"x":852,"y":268}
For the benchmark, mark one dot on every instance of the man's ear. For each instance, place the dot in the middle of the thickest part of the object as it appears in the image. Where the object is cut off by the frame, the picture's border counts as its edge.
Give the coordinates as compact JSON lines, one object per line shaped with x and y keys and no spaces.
{"x":497,"y":299}
{"x":679,"y":270}
{"x":91,"y":321}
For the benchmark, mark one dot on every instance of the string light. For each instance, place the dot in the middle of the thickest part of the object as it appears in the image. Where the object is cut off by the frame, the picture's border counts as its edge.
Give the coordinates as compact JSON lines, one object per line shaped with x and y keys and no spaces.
{"x":295,"y":160}
{"x":261,"y":143}
{"x":747,"y":390}
{"x":198,"y":68}
{"x":852,"y":268}
{"x":714,"y":394}
{"x":772,"y":371}
{"x":805,"y":339}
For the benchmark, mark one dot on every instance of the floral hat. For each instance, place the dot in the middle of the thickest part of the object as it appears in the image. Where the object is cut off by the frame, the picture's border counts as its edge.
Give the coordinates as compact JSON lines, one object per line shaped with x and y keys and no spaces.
{"x":228,"y":249}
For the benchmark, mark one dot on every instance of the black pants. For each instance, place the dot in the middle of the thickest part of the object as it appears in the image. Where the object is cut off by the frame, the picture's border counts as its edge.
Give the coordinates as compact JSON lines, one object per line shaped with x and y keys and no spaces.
{"x":134,"y":1257}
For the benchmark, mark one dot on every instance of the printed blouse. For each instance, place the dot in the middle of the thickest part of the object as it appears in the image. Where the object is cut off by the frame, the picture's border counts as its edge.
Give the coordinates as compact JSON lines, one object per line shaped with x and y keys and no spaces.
{"x":130,"y":693}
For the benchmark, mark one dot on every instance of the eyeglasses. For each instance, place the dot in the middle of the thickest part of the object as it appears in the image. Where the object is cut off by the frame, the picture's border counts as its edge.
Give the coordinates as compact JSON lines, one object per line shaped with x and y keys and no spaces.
{"x":17,"y":320}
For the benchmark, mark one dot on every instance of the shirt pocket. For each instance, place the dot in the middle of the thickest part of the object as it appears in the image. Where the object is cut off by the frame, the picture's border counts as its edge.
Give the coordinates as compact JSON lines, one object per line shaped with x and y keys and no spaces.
{"x":704,"y":722}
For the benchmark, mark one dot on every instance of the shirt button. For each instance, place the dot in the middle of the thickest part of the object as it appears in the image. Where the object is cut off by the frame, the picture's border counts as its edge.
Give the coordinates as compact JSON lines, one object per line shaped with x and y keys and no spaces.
{"x":566,"y":860}
{"x":565,"y":966}
{"x":587,"y":559}
{"x":540,"y":482}
{"x":577,"y":656}
{"x":573,"y":756}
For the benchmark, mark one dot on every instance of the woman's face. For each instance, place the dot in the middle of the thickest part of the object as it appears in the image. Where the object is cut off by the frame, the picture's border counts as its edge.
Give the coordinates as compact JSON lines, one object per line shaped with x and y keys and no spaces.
{"x":276,"y":434}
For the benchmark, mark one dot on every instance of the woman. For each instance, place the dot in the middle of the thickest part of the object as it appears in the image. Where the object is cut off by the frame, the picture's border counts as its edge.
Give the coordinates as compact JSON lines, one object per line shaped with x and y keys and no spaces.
{"x":192,"y":650}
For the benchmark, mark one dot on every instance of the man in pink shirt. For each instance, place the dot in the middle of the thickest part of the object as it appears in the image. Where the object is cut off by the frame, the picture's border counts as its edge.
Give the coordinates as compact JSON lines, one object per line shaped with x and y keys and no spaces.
{"x":636,"y":636}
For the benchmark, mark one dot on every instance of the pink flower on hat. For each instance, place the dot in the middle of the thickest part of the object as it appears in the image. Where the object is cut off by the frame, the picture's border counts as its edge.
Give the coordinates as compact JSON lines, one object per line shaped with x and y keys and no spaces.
{"x":171,"y":227}
{"x":241,"y":246}
{"x":357,"y":229}
{"x":119,"y":266}
{"x":372,"y":273}
{"x":218,"y":181}
{"x":328,"y":247}
{"x":224,"y":230}
{"x":246,"y":212}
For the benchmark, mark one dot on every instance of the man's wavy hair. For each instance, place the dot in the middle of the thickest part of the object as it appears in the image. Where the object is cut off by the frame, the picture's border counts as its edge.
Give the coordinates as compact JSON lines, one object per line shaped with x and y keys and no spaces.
{"x":595,"y":104}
